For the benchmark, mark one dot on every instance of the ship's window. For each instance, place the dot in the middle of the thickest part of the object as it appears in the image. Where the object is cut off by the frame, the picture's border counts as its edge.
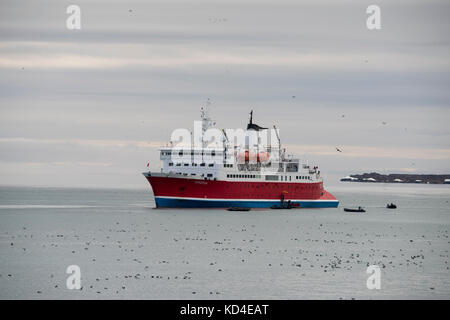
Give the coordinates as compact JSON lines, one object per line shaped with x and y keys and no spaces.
{"x":211,"y":165}
{"x":292,"y":167}
{"x":193,"y":174}
{"x":186,"y":164}
{"x":290,"y":178}
{"x":180,"y":153}
{"x":213,"y":153}
{"x":202,"y":164}
{"x":271,"y":178}
{"x":178,"y":164}
{"x":170,"y":164}
{"x":209,"y":175}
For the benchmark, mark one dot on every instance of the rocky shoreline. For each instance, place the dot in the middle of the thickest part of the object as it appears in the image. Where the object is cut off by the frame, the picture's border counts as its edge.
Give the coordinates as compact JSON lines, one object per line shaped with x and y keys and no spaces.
{"x":399,"y":178}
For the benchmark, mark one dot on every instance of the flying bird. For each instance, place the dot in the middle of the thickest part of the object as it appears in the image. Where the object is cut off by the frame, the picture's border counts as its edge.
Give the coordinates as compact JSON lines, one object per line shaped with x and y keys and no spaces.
{"x":338,"y":149}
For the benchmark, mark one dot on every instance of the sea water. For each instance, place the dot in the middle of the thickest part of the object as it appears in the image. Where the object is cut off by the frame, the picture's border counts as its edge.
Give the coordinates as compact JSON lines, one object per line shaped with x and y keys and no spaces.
{"x":126,"y":249}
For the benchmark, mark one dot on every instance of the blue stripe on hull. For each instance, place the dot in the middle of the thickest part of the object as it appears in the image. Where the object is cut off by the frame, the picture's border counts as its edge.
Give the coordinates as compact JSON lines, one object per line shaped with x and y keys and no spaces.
{"x":194,"y":203}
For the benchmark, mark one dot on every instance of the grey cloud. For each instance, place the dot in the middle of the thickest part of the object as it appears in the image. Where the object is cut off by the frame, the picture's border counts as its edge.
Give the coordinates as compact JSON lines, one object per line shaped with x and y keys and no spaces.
{"x":124,"y":91}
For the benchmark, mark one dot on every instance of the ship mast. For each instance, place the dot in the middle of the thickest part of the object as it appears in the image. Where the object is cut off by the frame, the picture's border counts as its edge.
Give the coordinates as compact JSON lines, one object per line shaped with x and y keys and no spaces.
{"x":207,"y":122}
{"x":279,"y":142}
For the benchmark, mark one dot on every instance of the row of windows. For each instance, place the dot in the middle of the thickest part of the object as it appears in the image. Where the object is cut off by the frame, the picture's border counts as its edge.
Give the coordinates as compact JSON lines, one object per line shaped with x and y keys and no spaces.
{"x":193,"y":164}
{"x":250,"y":176}
{"x":180,"y":153}
{"x":193,"y":174}
{"x":268,"y":177}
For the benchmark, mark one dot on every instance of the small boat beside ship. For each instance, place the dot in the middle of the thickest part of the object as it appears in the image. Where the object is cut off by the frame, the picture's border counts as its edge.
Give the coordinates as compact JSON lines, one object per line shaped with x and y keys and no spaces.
{"x":359,"y":209}
{"x":238,"y":209}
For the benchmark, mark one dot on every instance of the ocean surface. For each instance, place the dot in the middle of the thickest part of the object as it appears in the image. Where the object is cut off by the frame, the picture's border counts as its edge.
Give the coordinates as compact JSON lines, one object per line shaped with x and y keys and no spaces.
{"x":126,"y":249}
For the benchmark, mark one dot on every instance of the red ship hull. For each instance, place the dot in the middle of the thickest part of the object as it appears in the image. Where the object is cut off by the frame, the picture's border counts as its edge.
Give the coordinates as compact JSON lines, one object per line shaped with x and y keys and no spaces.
{"x":188,"y":192}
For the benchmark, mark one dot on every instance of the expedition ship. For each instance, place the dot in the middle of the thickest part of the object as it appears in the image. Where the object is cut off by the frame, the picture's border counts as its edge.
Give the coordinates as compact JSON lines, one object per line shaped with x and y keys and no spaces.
{"x":227,"y":176}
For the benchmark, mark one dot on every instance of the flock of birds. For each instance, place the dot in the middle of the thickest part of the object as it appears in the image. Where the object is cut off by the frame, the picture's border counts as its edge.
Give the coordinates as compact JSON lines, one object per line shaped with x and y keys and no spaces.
{"x":148,"y":255}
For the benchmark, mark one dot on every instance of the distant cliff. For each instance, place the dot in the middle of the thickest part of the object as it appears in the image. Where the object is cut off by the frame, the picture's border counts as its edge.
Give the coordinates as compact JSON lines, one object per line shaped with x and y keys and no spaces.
{"x":399,"y":178}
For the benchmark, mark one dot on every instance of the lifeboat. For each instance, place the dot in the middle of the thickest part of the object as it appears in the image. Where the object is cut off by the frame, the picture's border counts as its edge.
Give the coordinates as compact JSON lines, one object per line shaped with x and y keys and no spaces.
{"x":263,"y":156}
{"x":249,"y":156}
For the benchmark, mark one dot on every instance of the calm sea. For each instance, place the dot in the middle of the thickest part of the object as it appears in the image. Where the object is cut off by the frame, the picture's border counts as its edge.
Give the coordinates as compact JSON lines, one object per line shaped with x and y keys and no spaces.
{"x":127,"y":249}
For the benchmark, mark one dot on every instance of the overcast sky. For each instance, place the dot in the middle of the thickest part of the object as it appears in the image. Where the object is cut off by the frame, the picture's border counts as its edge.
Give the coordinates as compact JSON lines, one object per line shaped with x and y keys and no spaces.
{"x":90,"y":107}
